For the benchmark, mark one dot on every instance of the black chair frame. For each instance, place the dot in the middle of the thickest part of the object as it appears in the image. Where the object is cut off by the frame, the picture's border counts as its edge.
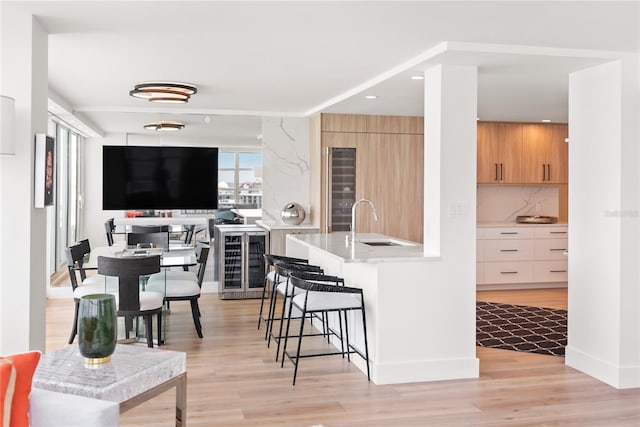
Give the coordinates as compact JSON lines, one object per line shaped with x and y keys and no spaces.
{"x":128,"y":272}
{"x":202,"y":254}
{"x":158,"y":239}
{"x":320,"y":286}
{"x":269,"y":262}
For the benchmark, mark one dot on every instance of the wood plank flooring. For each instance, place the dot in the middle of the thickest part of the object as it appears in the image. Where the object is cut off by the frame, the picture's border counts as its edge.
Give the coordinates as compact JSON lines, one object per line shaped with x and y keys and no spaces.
{"x":233,"y":380}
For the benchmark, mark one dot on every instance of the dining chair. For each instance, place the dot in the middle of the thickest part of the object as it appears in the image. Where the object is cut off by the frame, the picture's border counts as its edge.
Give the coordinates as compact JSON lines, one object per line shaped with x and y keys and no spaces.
{"x":149,"y":228}
{"x":158,"y":239}
{"x":131,"y":301}
{"x":109,"y":228}
{"x":176,"y":289}
{"x":75,"y":255}
{"x":316,"y":295}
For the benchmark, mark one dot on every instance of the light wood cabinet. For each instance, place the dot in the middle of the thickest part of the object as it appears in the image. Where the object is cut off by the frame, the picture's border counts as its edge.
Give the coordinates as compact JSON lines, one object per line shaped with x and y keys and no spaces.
{"x":545,"y":154}
{"x":389,"y":153}
{"x":499,"y":153}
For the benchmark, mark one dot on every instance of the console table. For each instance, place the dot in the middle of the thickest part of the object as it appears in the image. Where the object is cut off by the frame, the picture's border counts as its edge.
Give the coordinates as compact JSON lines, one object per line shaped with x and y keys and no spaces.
{"x":134,"y":375}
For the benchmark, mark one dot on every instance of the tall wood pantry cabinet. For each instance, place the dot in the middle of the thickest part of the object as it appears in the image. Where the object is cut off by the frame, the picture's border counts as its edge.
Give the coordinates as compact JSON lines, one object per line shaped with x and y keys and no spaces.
{"x":375,"y":157}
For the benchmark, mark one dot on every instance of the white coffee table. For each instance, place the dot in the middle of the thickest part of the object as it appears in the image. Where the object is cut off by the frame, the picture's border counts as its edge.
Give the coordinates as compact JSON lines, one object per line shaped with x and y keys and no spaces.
{"x":134,"y":375}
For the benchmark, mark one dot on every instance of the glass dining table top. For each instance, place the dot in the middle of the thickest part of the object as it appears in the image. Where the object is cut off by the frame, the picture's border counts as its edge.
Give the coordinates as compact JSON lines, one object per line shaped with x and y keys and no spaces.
{"x":178,"y":255}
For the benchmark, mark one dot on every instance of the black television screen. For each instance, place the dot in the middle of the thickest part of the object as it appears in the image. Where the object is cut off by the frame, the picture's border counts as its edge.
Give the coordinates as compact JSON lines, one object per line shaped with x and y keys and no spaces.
{"x":136,"y":177}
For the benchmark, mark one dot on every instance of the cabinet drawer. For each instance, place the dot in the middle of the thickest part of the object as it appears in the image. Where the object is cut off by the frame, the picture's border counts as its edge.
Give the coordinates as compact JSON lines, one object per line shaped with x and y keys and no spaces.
{"x":508,"y":272}
{"x":551,"y":232}
{"x":508,"y":250}
{"x":550,"y":249}
{"x":550,"y":271}
{"x":522,"y":232}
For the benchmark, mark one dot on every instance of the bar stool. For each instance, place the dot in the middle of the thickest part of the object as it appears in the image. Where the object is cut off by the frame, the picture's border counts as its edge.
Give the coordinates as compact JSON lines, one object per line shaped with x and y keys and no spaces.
{"x":282,"y":273}
{"x":319,"y":296}
{"x":270,"y":277}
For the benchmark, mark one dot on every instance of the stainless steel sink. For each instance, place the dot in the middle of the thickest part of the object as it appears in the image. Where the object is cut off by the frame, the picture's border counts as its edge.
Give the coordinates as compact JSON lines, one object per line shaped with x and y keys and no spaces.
{"x":384,"y":242}
{"x":381,"y":244}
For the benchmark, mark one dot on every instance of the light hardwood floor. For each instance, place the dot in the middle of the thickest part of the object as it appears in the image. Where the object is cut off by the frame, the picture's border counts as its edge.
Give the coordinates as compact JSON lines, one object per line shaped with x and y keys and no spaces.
{"x":233,"y":380}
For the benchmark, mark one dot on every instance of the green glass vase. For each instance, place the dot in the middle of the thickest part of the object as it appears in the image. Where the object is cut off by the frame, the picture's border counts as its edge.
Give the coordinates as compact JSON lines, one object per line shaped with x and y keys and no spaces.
{"x":97,"y":327}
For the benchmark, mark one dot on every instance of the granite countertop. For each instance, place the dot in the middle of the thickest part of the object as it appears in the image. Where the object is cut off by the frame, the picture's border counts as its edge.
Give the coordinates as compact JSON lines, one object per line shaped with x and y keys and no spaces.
{"x":335,"y":244}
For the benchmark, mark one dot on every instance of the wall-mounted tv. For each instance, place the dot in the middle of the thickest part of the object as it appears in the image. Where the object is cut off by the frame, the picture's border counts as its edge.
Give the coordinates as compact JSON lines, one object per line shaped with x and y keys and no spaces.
{"x":140,"y":177}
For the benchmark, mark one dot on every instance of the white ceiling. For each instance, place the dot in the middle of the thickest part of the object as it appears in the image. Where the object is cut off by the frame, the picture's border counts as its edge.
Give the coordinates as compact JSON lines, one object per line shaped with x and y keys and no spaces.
{"x":254,"y":59}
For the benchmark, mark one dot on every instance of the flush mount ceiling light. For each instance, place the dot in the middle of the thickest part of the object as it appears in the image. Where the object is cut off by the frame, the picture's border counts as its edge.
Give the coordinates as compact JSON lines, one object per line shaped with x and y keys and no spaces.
{"x":164,"y":92}
{"x":164,"y":126}
{"x":370,"y":96}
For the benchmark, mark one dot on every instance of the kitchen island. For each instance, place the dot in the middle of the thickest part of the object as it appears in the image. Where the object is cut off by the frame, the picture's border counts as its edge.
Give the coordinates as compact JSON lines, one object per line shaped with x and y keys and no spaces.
{"x":415,"y":331}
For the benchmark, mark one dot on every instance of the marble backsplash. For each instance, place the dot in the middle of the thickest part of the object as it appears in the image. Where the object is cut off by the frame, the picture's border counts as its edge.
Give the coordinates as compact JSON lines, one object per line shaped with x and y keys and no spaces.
{"x":505,"y":203}
{"x":285,"y":159}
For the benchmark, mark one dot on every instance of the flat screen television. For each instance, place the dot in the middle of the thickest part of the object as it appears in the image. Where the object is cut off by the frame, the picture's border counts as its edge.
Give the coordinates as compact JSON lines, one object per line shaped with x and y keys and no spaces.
{"x":139,"y":177}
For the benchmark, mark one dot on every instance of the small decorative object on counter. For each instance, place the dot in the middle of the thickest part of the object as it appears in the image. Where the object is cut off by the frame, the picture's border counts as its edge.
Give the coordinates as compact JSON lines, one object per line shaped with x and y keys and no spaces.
{"x":97,"y":327}
{"x":292,"y":214}
{"x":536,"y":219}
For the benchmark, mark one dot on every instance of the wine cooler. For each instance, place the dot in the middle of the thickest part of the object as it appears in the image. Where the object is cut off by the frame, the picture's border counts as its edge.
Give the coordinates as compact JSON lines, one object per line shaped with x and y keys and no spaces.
{"x":239,"y":260}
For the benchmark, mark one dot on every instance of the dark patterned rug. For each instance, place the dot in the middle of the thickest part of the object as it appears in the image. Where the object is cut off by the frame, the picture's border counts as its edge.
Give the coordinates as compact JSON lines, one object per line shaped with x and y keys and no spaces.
{"x":521,"y":328}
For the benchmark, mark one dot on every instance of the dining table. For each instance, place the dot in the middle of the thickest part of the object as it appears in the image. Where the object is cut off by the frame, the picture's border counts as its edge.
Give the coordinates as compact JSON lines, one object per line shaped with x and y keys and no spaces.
{"x":179,"y":255}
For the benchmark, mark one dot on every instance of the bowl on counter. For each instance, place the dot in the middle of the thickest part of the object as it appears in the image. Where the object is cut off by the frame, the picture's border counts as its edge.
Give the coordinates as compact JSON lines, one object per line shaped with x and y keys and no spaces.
{"x":536,"y":219}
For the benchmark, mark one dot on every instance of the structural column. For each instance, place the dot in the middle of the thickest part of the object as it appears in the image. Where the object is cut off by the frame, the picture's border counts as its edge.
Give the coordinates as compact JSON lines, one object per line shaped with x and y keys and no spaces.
{"x":450,"y":117}
{"x":604,"y":234}
{"x":23,"y":281}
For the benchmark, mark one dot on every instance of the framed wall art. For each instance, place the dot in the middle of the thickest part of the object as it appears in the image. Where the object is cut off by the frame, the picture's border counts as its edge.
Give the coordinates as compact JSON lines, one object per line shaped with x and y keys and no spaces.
{"x":44,"y":190}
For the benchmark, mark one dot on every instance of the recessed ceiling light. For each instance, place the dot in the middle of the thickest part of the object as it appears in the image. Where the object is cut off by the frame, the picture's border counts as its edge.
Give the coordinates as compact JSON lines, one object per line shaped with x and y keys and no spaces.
{"x":546,"y":121}
{"x":417,"y":77}
{"x":370,"y":97}
{"x":164,"y":126}
{"x":164,"y":92}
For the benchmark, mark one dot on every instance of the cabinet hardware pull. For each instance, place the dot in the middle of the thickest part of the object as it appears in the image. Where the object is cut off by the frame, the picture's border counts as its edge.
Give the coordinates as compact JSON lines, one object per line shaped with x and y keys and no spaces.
{"x":501,"y":172}
{"x":496,"y":171}
{"x":508,"y":232}
{"x":557,"y":232}
{"x":508,"y":250}
{"x":544,"y":172}
{"x":557,"y":271}
{"x":549,"y":172}
{"x":553,"y":249}
{"x":508,"y":272}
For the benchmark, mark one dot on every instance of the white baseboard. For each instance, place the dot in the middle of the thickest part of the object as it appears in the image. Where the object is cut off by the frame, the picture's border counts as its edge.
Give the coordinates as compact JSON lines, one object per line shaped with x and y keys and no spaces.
{"x":616,"y":376}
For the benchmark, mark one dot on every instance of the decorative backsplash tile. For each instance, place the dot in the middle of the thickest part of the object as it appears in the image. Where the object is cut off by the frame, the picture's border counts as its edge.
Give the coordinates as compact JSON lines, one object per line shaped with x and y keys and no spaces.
{"x":505,"y":203}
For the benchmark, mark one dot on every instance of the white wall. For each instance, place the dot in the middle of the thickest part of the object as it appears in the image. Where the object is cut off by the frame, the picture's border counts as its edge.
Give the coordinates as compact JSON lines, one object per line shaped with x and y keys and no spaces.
{"x":285,"y":170}
{"x":604,"y":295}
{"x":23,"y":262}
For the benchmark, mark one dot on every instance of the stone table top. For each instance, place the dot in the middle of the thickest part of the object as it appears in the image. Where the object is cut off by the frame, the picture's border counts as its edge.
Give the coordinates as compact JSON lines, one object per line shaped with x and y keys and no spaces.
{"x":132,"y":371}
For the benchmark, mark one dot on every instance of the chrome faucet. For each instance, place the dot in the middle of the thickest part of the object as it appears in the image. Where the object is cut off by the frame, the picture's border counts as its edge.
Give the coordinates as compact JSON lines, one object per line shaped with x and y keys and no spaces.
{"x":353,"y":216}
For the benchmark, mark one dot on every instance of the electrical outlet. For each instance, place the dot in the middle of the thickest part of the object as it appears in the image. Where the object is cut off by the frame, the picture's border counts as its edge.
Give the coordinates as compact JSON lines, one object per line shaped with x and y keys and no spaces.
{"x":538,"y":207}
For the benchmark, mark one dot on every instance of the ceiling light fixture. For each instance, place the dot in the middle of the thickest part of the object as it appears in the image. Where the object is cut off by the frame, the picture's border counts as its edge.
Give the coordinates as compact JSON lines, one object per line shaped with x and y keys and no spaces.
{"x":164,"y":92}
{"x":164,"y":126}
{"x":546,"y":121}
{"x":417,"y":77}
{"x":370,"y":97}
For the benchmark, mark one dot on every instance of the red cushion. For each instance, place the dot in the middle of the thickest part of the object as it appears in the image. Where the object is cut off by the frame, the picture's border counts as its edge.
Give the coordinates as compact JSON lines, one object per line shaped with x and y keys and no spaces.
{"x":25,"y":364}
{"x":7,"y":388}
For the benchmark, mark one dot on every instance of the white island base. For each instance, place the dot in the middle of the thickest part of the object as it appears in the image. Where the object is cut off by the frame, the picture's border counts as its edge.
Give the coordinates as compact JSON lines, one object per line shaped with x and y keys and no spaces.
{"x":416,"y":332}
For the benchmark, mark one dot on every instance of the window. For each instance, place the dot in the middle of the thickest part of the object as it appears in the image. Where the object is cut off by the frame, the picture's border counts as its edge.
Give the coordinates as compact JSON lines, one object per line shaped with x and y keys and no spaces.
{"x":63,"y":220}
{"x":239,"y":179}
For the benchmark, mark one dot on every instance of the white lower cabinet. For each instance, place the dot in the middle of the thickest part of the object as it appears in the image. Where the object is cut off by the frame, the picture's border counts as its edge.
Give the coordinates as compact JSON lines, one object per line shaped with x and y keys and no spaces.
{"x":526,"y":256}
